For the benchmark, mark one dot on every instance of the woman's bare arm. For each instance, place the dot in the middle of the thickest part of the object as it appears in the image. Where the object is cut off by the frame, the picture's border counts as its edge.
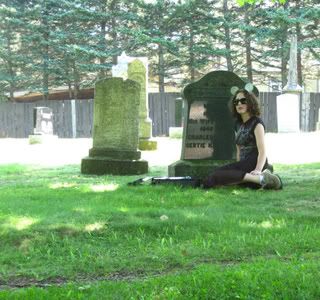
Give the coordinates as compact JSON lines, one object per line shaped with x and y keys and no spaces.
{"x":262,"y":156}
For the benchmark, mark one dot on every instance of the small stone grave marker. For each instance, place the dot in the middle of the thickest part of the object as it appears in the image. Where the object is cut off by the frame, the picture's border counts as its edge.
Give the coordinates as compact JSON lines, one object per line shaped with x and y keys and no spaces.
{"x":42,"y":120}
{"x":42,"y":125}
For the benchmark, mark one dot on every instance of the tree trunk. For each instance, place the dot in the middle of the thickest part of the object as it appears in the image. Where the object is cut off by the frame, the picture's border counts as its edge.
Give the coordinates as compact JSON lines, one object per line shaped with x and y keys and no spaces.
{"x":70,"y":90}
{"x":69,"y":82}
{"x":102,"y":47}
{"x":299,"y":58}
{"x":248,"y":57}
{"x":11,"y":71}
{"x":248,"y":47}
{"x":161,"y":68}
{"x":284,"y":52}
{"x":284,"y":56}
{"x":191,"y":53}
{"x":227,"y":35}
{"x":76,"y":77}
{"x":12,"y":90}
{"x":113,"y":8}
{"x":45,"y":55}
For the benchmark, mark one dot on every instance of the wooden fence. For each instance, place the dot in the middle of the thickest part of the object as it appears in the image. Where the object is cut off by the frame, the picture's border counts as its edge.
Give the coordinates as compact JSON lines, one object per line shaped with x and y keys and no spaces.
{"x":310,"y":106}
{"x":162,"y":112}
{"x":268,"y":102}
{"x":16,"y":119}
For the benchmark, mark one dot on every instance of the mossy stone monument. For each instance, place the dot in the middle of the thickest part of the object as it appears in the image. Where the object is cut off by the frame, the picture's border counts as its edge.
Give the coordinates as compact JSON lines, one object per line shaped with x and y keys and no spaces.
{"x":137,"y":72}
{"x":208,"y":132}
{"x":115,"y":130}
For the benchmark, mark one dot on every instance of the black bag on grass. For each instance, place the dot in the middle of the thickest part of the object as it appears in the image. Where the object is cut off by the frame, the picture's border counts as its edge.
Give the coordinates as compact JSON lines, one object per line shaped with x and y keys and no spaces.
{"x":181,"y":181}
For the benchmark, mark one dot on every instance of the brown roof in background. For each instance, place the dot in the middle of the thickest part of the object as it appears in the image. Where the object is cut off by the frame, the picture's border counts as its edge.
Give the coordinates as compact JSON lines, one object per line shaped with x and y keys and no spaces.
{"x":84,"y":94}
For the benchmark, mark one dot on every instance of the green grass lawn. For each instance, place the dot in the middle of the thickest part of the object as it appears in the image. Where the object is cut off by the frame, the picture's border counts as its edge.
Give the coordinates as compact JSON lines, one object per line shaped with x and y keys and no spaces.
{"x":64,"y":235}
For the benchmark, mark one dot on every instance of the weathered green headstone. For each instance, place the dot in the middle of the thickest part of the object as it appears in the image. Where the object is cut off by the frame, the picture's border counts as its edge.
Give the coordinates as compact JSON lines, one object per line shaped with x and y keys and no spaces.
{"x":208,"y":133}
{"x":115,"y":130}
{"x":137,"y":72}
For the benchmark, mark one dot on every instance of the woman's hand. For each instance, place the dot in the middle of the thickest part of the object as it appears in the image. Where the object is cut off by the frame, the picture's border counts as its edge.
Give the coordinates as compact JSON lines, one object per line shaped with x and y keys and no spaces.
{"x":255,"y":172}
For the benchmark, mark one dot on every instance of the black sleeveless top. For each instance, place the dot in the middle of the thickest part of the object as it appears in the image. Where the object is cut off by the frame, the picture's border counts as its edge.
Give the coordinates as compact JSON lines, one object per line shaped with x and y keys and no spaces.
{"x":245,"y":137}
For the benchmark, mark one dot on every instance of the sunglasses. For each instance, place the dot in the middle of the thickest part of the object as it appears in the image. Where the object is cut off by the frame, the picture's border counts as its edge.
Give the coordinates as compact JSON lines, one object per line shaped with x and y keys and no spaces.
{"x":242,"y":101}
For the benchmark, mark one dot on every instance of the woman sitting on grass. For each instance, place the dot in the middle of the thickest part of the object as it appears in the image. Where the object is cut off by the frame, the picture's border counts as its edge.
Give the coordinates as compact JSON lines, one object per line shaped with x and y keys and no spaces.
{"x":252,"y":163}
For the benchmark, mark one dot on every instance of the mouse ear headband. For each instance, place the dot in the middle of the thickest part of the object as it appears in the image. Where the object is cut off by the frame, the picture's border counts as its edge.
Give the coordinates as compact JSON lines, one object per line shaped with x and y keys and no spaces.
{"x":248,"y":87}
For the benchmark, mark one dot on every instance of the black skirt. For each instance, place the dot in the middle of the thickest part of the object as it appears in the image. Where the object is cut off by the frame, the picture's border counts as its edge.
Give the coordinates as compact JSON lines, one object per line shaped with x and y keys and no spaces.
{"x":233,"y":173}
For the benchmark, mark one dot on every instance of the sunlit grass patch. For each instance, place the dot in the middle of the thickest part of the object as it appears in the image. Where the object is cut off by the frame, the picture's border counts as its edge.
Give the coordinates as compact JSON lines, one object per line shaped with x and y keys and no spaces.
{"x":95,"y":226}
{"x":81,"y":209}
{"x":123,"y":209}
{"x":19,"y":222}
{"x":266,"y":224}
{"x":104,"y":187}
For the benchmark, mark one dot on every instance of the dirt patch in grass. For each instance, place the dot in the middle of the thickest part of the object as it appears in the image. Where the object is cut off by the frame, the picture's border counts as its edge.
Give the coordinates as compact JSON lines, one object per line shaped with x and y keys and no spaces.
{"x":25,"y":282}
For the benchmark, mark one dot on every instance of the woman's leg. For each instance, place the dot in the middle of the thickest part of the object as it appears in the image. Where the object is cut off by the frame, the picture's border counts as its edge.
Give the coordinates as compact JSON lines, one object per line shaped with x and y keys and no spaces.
{"x":267,"y":180}
{"x":252,"y":178}
{"x":235,"y":173}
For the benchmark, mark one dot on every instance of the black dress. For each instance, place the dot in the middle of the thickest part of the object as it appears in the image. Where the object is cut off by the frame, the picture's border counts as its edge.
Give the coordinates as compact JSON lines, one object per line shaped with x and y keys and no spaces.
{"x":234,"y":173}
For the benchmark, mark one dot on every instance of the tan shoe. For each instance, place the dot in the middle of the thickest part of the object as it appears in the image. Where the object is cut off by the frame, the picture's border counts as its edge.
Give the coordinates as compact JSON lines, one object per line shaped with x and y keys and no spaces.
{"x":271,"y":181}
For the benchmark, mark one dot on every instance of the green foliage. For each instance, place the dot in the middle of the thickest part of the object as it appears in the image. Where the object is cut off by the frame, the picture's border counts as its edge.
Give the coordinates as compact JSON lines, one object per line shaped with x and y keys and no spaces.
{"x":10,"y":56}
{"x":48,"y":43}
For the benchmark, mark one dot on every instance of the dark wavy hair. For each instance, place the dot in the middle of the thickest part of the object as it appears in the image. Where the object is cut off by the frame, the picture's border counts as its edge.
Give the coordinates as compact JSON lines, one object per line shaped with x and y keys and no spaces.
{"x":252,"y":104}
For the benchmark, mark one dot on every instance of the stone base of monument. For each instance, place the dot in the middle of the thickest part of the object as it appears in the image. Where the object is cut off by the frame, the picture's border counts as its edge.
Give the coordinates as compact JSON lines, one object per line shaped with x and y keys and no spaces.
{"x":195,"y":168}
{"x":147,"y":145}
{"x":103,"y":161}
{"x":41,"y":138}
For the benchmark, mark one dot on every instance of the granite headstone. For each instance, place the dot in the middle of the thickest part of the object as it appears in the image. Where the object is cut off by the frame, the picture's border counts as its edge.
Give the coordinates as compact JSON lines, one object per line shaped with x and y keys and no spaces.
{"x":208,"y":133}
